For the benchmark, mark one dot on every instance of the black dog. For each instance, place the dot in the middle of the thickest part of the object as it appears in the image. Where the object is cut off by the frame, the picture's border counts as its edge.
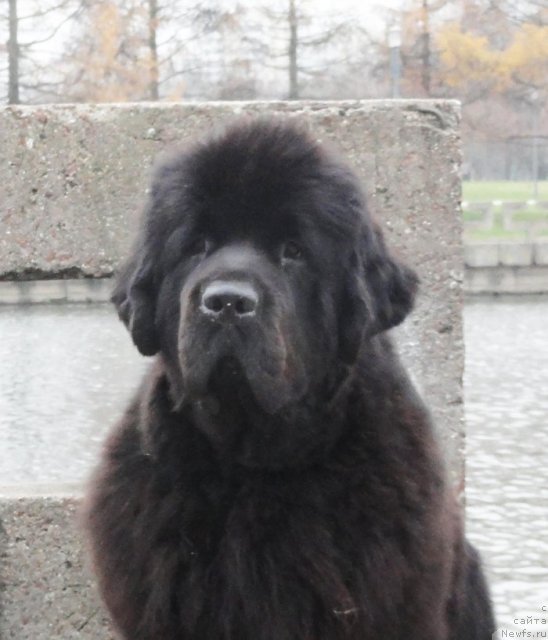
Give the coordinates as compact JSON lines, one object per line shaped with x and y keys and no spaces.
{"x":276,"y":477}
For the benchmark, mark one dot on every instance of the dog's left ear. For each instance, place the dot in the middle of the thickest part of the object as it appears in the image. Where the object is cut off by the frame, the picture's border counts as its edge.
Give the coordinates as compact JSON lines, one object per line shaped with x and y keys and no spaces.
{"x":380,"y":292}
{"x":391,"y":285}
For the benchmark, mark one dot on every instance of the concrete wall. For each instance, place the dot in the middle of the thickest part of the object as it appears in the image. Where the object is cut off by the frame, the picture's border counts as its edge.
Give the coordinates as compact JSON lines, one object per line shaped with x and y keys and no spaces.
{"x":70,"y":196}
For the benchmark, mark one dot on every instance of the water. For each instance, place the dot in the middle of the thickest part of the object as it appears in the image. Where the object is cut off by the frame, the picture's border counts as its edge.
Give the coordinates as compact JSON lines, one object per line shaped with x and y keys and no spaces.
{"x":506,"y":399}
{"x":66,"y":373}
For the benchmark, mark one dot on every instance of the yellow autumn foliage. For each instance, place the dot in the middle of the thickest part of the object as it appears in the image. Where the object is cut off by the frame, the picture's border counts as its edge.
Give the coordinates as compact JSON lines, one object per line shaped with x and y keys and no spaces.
{"x":527,"y":56}
{"x":110,"y":74}
{"x":468,"y":59}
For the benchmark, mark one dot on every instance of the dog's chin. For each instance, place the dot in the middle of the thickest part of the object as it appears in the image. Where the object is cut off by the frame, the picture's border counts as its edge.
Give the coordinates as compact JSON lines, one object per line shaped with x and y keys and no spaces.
{"x":228,"y":381}
{"x":231,"y":383}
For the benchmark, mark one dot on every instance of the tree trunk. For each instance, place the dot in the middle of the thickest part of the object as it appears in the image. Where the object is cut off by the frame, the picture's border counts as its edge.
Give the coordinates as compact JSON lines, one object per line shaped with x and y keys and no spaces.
{"x":426,"y":61}
{"x":292,"y":51}
{"x":13,"y":55}
{"x":153,"y":90}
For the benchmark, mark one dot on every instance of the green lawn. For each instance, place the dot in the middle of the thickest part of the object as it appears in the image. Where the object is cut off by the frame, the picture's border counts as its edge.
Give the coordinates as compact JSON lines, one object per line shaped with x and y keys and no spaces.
{"x":530,"y":219}
{"x":487,"y":191}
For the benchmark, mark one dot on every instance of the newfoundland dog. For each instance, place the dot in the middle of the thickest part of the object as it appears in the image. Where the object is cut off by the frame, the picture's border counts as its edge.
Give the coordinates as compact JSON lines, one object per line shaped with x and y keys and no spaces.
{"x":276,"y":476}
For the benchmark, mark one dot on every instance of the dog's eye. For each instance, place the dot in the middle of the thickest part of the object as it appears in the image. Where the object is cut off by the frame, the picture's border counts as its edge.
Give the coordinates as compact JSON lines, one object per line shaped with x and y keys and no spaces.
{"x":292,"y":251}
{"x":198,"y":247}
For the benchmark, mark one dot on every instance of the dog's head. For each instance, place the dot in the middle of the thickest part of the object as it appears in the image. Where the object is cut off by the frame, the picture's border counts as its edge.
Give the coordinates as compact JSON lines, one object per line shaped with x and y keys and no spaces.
{"x":258,"y":266}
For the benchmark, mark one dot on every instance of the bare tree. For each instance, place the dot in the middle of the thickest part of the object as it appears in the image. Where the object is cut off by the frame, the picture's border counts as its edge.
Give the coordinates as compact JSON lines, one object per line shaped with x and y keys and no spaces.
{"x":154,"y":91}
{"x":129,"y":50}
{"x":426,"y":57}
{"x":32,"y":35}
{"x":293,"y":51}
{"x":420,"y":20}
{"x":303,"y":46}
{"x":13,"y":54}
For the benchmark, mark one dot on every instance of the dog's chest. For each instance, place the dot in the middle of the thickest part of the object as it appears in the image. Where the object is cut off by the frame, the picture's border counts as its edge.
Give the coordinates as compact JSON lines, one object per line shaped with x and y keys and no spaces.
{"x":269,"y":553}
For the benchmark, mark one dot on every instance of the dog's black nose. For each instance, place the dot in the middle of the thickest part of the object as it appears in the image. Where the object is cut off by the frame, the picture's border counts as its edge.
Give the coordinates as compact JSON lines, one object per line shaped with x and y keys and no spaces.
{"x":222,"y":298}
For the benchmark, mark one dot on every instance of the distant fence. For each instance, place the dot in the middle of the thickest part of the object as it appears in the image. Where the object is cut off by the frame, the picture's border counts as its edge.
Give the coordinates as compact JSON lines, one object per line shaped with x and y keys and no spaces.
{"x":525,"y":220}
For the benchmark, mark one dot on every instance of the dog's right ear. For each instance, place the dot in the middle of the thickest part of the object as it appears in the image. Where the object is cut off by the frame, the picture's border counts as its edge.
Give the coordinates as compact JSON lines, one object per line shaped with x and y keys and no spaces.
{"x":135,"y":300}
{"x":136,"y":285}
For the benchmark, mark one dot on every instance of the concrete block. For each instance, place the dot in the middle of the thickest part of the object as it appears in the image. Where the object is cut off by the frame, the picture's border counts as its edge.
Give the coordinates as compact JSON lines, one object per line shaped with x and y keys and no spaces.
{"x":531,"y":280}
{"x":481,"y":255}
{"x":540,"y":253}
{"x":46,"y":291}
{"x":47,"y":592}
{"x":10,"y":293}
{"x":89,"y":290}
{"x":507,"y":280}
{"x":42,"y":291}
{"x":516,"y":254}
{"x":74,"y":183}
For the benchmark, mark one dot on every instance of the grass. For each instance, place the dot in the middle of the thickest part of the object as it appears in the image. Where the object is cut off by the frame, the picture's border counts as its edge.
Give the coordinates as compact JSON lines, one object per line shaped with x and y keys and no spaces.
{"x":524,"y":219}
{"x":494,"y":234}
{"x":524,"y":215}
{"x":531,"y":215}
{"x":532,"y":218}
{"x":469,"y":215}
{"x":506,"y":190}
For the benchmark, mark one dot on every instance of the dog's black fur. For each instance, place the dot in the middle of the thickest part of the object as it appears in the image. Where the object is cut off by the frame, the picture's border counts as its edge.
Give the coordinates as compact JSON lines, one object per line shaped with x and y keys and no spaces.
{"x":276,"y":476}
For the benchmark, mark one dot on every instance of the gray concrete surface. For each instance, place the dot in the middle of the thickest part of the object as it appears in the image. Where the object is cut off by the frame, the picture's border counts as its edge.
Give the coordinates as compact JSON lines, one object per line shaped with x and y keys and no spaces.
{"x":504,"y":280}
{"x":516,"y":254}
{"x":509,"y":254}
{"x":540,"y":254}
{"x":46,"y":589}
{"x":481,"y":255}
{"x":48,"y":291}
{"x":70,"y":196}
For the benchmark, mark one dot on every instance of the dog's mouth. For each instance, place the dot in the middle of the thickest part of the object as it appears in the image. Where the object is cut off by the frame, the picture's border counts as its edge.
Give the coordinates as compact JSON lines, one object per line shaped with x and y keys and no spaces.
{"x":227,"y":378}
{"x":234,"y":385}
{"x":247,"y":381}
